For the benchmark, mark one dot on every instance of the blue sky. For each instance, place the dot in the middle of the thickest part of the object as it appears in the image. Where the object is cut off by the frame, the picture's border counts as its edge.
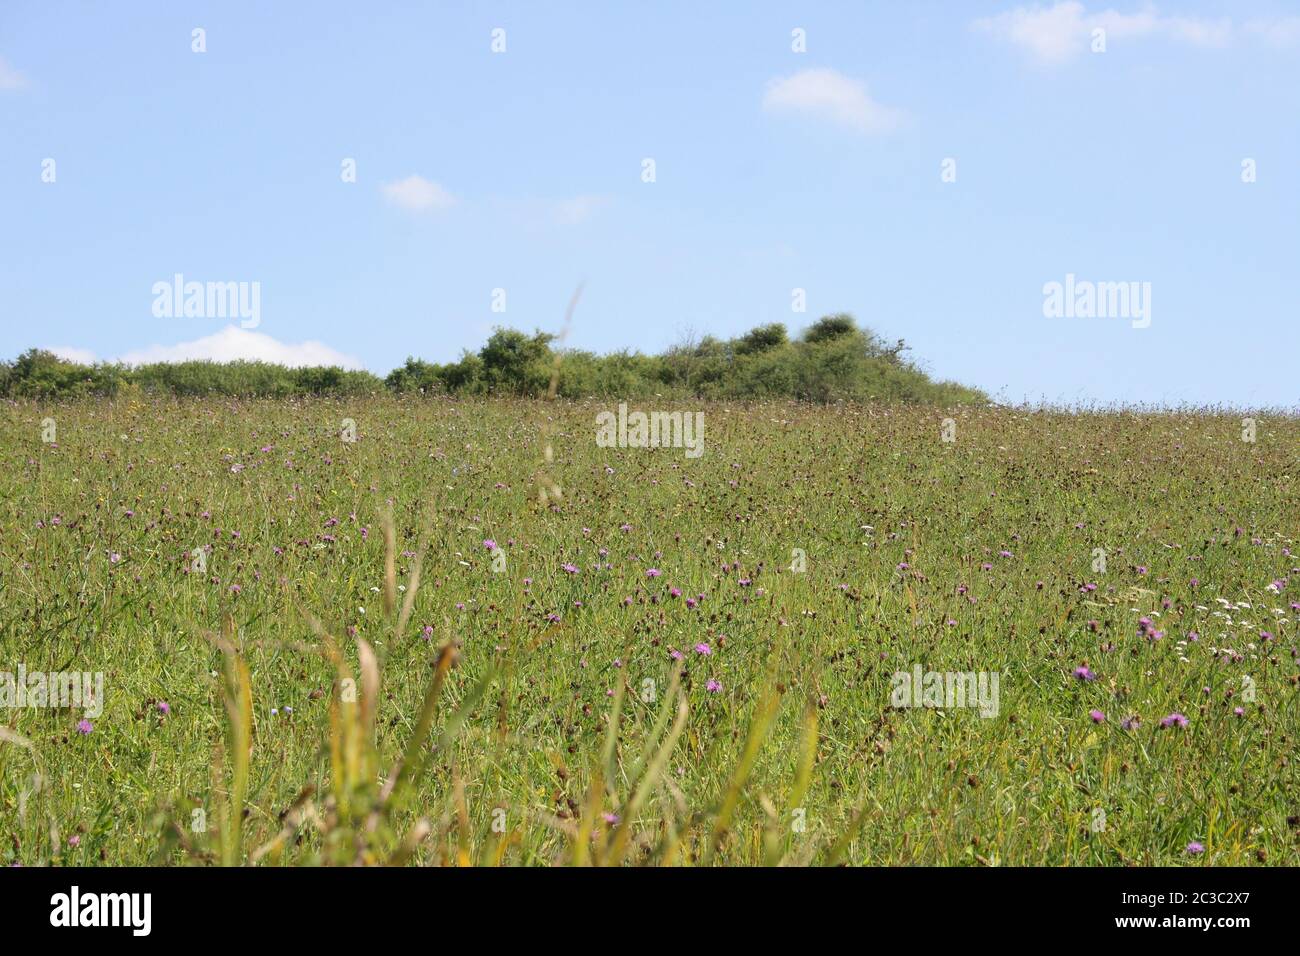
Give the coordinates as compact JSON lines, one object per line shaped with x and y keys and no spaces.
{"x":774,"y":170}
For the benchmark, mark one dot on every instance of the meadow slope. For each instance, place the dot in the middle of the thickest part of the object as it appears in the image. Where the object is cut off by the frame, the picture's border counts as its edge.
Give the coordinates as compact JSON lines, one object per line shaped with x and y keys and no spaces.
{"x":779,"y":742}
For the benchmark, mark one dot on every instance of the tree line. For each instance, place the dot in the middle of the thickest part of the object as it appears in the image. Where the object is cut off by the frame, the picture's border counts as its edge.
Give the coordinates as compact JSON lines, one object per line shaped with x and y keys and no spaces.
{"x":832,"y":360}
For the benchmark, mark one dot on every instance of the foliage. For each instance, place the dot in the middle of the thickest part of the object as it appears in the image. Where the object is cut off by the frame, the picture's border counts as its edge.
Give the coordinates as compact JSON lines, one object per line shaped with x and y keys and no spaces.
{"x":833,"y":361}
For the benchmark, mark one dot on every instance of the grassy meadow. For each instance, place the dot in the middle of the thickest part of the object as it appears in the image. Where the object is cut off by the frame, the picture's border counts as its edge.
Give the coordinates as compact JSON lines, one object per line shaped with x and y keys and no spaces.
{"x":437,"y":631}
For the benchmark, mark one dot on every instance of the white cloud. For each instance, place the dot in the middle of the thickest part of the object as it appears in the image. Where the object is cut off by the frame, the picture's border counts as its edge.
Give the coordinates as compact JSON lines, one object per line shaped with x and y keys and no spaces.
{"x":1281,"y":32}
{"x":830,"y":95}
{"x":70,"y":354}
{"x":572,"y":212}
{"x":417,"y":194}
{"x":10,"y":78}
{"x":1059,"y":33}
{"x":229,"y":344}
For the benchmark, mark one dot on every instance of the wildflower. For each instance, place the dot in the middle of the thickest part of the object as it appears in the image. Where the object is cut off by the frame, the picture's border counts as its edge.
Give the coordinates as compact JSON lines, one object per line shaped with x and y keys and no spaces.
{"x":1130,"y":723}
{"x":653,"y":572}
{"x":674,"y":592}
{"x":1174,"y":720}
{"x":85,"y":726}
{"x":164,"y":708}
{"x":703,"y":648}
{"x":489,"y":544}
{"x":1082,"y":673}
{"x":1097,"y":716}
{"x":570,"y":568}
{"x":1195,"y":848}
{"x":713,"y":687}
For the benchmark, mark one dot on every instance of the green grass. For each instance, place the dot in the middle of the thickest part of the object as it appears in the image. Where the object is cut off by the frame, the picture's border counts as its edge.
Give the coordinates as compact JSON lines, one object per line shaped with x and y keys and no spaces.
{"x":553,"y":723}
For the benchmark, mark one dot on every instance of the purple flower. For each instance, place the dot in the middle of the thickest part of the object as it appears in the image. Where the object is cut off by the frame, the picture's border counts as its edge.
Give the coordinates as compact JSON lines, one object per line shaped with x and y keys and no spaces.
{"x":164,"y":708}
{"x":713,"y":687}
{"x":570,"y":568}
{"x":85,"y":726}
{"x":1195,"y":848}
{"x":489,"y":544}
{"x":1097,"y":716}
{"x":1174,"y":720}
{"x":1082,"y":673}
{"x":703,"y":648}
{"x":1130,"y":723}
{"x":653,"y":573}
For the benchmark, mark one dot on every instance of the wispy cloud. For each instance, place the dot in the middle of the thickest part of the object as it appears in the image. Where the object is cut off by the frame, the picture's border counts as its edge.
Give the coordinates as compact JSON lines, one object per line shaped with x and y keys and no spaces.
{"x":572,"y":212}
{"x":70,"y":354}
{"x":227,"y":345}
{"x":417,"y":194}
{"x":1059,"y":33}
{"x":830,"y":95}
{"x":10,"y":78}
{"x":1279,"y":32}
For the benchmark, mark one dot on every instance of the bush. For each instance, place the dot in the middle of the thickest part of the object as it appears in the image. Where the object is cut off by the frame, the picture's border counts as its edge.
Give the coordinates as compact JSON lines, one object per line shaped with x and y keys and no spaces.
{"x":833,"y":360}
